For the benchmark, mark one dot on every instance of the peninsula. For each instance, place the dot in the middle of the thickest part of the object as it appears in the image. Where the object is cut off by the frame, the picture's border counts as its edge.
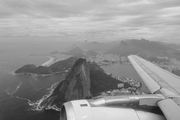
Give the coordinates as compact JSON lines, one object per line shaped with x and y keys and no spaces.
{"x":47,"y":68}
{"x":50,"y":62}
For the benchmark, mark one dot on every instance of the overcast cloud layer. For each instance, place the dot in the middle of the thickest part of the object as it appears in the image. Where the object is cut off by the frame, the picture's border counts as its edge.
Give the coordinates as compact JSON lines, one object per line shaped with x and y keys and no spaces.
{"x":151,"y":19}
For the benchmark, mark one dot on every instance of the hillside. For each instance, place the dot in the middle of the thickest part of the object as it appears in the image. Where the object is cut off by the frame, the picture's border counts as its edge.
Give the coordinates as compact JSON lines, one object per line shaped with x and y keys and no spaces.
{"x":84,"y":80}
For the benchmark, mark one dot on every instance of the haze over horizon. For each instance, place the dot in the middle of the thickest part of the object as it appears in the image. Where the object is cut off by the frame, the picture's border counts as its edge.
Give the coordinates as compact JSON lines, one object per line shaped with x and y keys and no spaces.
{"x":99,"y":19}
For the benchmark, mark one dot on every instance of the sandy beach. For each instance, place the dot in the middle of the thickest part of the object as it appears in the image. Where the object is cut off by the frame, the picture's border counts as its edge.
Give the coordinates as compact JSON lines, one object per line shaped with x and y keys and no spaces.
{"x":50,"y":62}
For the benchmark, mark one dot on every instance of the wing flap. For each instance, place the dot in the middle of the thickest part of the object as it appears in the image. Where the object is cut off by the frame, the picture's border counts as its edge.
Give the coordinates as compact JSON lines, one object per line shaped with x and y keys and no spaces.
{"x":158,"y":79}
{"x":170,"y":109}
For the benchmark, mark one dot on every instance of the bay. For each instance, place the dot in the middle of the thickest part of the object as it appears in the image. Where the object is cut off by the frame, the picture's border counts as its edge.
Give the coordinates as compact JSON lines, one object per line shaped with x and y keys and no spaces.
{"x":125,"y":70}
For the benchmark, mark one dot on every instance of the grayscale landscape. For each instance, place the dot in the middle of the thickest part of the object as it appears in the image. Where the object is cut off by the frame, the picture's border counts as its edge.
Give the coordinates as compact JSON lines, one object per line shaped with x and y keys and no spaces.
{"x":56,"y":51}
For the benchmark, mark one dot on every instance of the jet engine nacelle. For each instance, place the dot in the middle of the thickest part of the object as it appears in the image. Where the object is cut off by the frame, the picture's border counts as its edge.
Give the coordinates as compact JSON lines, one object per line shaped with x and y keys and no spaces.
{"x":83,"y":110}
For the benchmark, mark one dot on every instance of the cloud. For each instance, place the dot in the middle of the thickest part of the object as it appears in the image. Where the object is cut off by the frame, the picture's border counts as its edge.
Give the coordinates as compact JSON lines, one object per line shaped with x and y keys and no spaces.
{"x":153,"y":19}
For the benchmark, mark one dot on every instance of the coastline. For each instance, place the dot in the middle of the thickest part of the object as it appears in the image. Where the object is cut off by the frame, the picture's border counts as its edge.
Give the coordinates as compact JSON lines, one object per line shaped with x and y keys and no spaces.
{"x":47,"y":64}
{"x":50,"y":62}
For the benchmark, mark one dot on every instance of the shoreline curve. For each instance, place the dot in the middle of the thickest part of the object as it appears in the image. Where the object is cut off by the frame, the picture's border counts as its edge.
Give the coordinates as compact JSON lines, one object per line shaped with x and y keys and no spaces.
{"x":50,"y":62}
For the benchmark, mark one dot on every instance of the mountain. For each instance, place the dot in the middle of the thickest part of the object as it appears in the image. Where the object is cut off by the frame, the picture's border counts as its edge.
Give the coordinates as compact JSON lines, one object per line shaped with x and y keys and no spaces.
{"x":59,"y":66}
{"x":143,"y":47}
{"x":84,"y":80}
{"x":95,"y":46}
{"x":100,"y":81}
{"x":75,"y":86}
{"x":98,"y":46}
{"x":123,"y":49}
{"x":76,"y":52}
{"x":91,"y":53}
{"x":71,"y":47}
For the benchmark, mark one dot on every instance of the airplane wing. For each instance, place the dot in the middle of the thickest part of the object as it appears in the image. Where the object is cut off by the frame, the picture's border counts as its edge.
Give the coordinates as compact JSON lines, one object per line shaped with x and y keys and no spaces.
{"x":160,"y":81}
{"x":165,"y":89}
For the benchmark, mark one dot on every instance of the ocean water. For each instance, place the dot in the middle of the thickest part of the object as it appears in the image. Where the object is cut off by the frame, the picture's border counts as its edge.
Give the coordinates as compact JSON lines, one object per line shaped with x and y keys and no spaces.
{"x":125,"y":70}
{"x":19,"y":94}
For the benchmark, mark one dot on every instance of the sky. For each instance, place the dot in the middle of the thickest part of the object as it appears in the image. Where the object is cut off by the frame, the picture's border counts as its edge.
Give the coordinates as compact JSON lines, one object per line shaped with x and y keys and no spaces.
{"x":125,"y":19}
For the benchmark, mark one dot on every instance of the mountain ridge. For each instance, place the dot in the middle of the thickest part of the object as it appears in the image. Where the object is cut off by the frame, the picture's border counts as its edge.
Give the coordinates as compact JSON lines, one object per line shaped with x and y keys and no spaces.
{"x":76,"y":52}
{"x":84,"y":80}
{"x":137,"y":47}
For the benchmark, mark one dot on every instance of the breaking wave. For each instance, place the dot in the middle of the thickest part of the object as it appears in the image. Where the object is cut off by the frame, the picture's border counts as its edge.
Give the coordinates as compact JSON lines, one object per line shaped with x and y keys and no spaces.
{"x":11,"y":93}
{"x":36,"y":106}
